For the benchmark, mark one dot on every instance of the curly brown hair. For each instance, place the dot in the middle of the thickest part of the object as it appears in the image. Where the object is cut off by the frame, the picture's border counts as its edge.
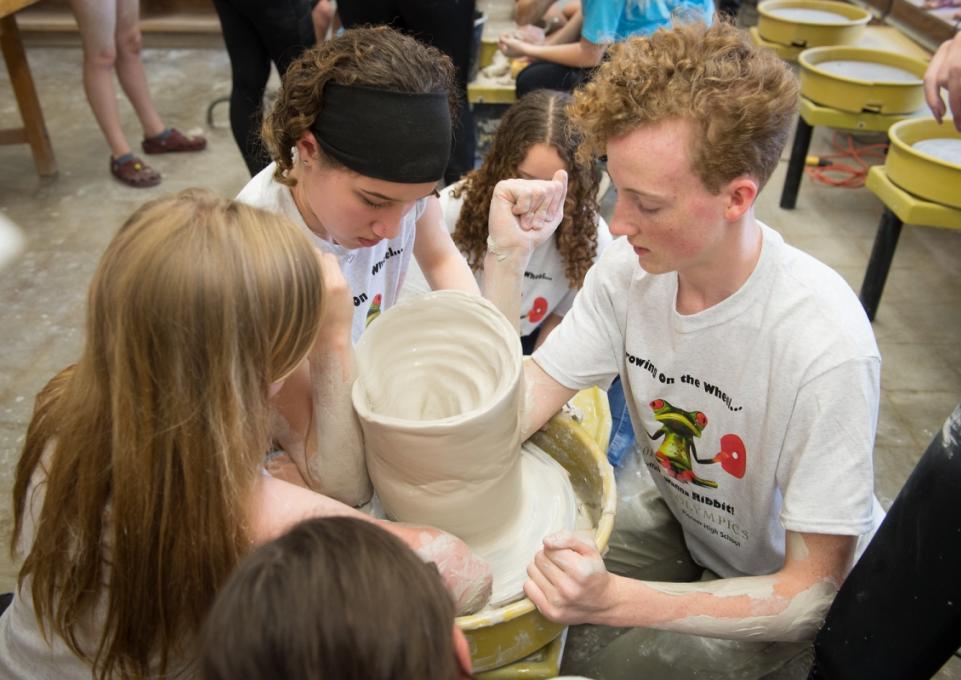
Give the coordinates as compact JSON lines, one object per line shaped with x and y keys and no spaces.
{"x":740,"y":98}
{"x":377,"y":57}
{"x":538,"y":118}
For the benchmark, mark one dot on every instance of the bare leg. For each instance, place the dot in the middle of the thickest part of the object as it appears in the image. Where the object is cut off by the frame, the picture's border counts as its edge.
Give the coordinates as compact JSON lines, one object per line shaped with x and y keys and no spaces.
{"x":130,"y":71}
{"x":97,"y":22}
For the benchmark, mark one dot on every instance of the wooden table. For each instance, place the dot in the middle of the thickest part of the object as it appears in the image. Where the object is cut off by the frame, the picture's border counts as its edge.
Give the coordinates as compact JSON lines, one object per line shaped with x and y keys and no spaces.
{"x":34,"y":131}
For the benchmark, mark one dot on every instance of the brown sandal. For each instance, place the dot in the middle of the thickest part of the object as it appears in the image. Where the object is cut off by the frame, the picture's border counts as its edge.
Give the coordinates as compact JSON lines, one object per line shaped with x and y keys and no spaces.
{"x":134,"y":172}
{"x":174,"y":141}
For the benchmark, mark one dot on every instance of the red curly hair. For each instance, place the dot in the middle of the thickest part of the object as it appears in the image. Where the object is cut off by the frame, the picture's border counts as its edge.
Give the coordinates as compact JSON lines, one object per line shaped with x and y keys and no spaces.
{"x":740,"y":98}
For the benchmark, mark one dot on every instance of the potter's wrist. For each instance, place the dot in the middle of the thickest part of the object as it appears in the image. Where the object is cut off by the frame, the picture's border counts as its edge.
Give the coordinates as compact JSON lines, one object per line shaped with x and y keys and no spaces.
{"x":506,"y":258}
{"x":612,"y":601}
{"x":331,"y":341}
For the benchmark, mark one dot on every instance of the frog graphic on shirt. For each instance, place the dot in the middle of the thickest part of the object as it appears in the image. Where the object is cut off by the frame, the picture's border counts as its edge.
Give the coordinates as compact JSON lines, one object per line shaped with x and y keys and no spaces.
{"x":680,"y":428}
{"x":374,"y":310}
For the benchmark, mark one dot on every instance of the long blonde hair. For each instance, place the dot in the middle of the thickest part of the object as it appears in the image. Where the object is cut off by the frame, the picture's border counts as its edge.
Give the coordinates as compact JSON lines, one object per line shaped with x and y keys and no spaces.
{"x":198,"y":304}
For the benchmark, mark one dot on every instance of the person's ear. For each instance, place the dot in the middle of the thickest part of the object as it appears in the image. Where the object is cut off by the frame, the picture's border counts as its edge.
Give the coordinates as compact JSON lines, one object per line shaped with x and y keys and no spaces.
{"x":741,"y":192}
{"x":307,"y":148}
{"x":462,"y":654}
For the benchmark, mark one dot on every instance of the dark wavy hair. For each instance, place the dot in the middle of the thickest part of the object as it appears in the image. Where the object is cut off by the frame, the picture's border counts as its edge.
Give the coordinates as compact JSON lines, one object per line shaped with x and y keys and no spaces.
{"x":378,"y":57}
{"x":336,"y":597}
{"x":538,"y":118}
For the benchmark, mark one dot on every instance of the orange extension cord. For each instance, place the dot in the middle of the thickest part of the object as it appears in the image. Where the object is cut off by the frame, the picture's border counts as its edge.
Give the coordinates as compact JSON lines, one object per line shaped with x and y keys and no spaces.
{"x":849,"y":164}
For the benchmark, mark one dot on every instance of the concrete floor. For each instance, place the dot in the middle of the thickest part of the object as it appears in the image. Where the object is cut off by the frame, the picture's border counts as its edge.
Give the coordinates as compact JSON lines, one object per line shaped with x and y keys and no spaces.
{"x":68,"y":220}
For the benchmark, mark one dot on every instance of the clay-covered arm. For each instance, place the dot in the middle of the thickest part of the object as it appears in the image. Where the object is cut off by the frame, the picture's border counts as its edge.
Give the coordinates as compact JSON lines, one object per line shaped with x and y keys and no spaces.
{"x":569,"y":583}
{"x":523,"y":214}
{"x":565,"y":47}
{"x":314,"y":420}
{"x":278,"y":505}
{"x":543,"y":397}
{"x":443,"y":266}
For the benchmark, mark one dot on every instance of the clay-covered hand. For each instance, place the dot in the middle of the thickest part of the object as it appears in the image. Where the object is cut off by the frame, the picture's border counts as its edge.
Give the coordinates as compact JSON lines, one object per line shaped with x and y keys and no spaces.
{"x":525,"y":213}
{"x":338,"y":302}
{"x":568,"y":581}
{"x":467,"y":576}
{"x":512,"y":46}
{"x":944,"y":71}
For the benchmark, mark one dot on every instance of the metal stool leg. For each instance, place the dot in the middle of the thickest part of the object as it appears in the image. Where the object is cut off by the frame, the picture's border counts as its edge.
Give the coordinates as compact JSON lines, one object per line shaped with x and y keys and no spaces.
{"x":795,"y":167}
{"x":889,"y":229}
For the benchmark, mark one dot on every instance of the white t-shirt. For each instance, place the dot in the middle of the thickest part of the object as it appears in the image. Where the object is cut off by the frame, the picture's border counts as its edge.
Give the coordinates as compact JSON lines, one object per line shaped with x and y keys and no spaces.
{"x":24,"y":652}
{"x":545,"y":289}
{"x":781,"y":379}
{"x":374,"y":275}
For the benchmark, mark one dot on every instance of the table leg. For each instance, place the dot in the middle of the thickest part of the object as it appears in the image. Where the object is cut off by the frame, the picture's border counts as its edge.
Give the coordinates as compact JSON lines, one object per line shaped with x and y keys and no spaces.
{"x":34,"y":128}
{"x":795,"y":166}
{"x":889,"y":229}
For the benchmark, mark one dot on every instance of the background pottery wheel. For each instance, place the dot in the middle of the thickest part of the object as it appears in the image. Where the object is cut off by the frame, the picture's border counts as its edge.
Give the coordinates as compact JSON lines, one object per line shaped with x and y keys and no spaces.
{"x":925,"y":175}
{"x":810,"y":23}
{"x":859,"y":79}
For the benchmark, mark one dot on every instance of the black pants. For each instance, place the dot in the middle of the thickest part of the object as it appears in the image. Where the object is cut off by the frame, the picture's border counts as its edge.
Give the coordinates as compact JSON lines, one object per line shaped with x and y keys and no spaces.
{"x":545,"y":75}
{"x":256,"y":33}
{"x":898,"y":614}
{"x":448,"y":25}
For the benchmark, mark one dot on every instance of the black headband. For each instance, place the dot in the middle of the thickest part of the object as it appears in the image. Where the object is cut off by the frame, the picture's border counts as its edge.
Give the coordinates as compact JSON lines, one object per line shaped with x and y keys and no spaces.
{"x":394,"y":136}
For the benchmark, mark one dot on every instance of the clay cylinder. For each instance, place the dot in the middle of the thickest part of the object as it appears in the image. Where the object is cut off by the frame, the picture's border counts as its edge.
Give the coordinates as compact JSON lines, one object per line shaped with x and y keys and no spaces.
{"x":438,"y":394}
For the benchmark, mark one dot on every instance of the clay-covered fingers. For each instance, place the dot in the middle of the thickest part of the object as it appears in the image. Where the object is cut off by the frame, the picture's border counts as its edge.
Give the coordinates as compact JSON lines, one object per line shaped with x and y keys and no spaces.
{"x":544,"y":594}
{"x":553,"y":591}
{"x":558,"y":193}
{"x":944,"y":72}
{"x":525,"y":213}
{"x":567,"y":579}
{"x":543,"y":207}
{"x":511,"y":46}
{"x":569,"y":540}
{"x":338,"y":301}
{"x":467,"y":576}
{"x":932,"y":83}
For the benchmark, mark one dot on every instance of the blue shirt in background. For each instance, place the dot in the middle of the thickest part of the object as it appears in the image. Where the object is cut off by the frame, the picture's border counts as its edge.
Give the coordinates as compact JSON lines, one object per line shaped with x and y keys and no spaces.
{"x":608,"y":21}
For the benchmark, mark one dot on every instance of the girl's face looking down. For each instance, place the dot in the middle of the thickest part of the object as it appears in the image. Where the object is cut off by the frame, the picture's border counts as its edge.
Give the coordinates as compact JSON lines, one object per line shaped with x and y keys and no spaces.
{"x":345,"y":207}
{"x":541,"y":162}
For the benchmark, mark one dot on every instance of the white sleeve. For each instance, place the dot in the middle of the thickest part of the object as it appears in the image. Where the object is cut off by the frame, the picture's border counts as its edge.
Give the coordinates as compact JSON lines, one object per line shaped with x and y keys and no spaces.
{"x":587,"y":348}
{"x":450,"y":207}
{"x":825,"y":472}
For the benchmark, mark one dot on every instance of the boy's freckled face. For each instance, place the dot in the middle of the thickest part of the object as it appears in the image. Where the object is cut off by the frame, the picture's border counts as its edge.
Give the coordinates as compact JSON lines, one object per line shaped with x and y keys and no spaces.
{"x":662,"y":207}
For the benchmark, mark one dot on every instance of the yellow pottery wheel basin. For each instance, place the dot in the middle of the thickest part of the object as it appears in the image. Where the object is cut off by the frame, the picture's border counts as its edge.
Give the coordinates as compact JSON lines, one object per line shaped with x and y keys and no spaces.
{"x":810,"y":23}
{"x":923,"y":159}
{"x":501,"y":636}
{"x":859,"y":80}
